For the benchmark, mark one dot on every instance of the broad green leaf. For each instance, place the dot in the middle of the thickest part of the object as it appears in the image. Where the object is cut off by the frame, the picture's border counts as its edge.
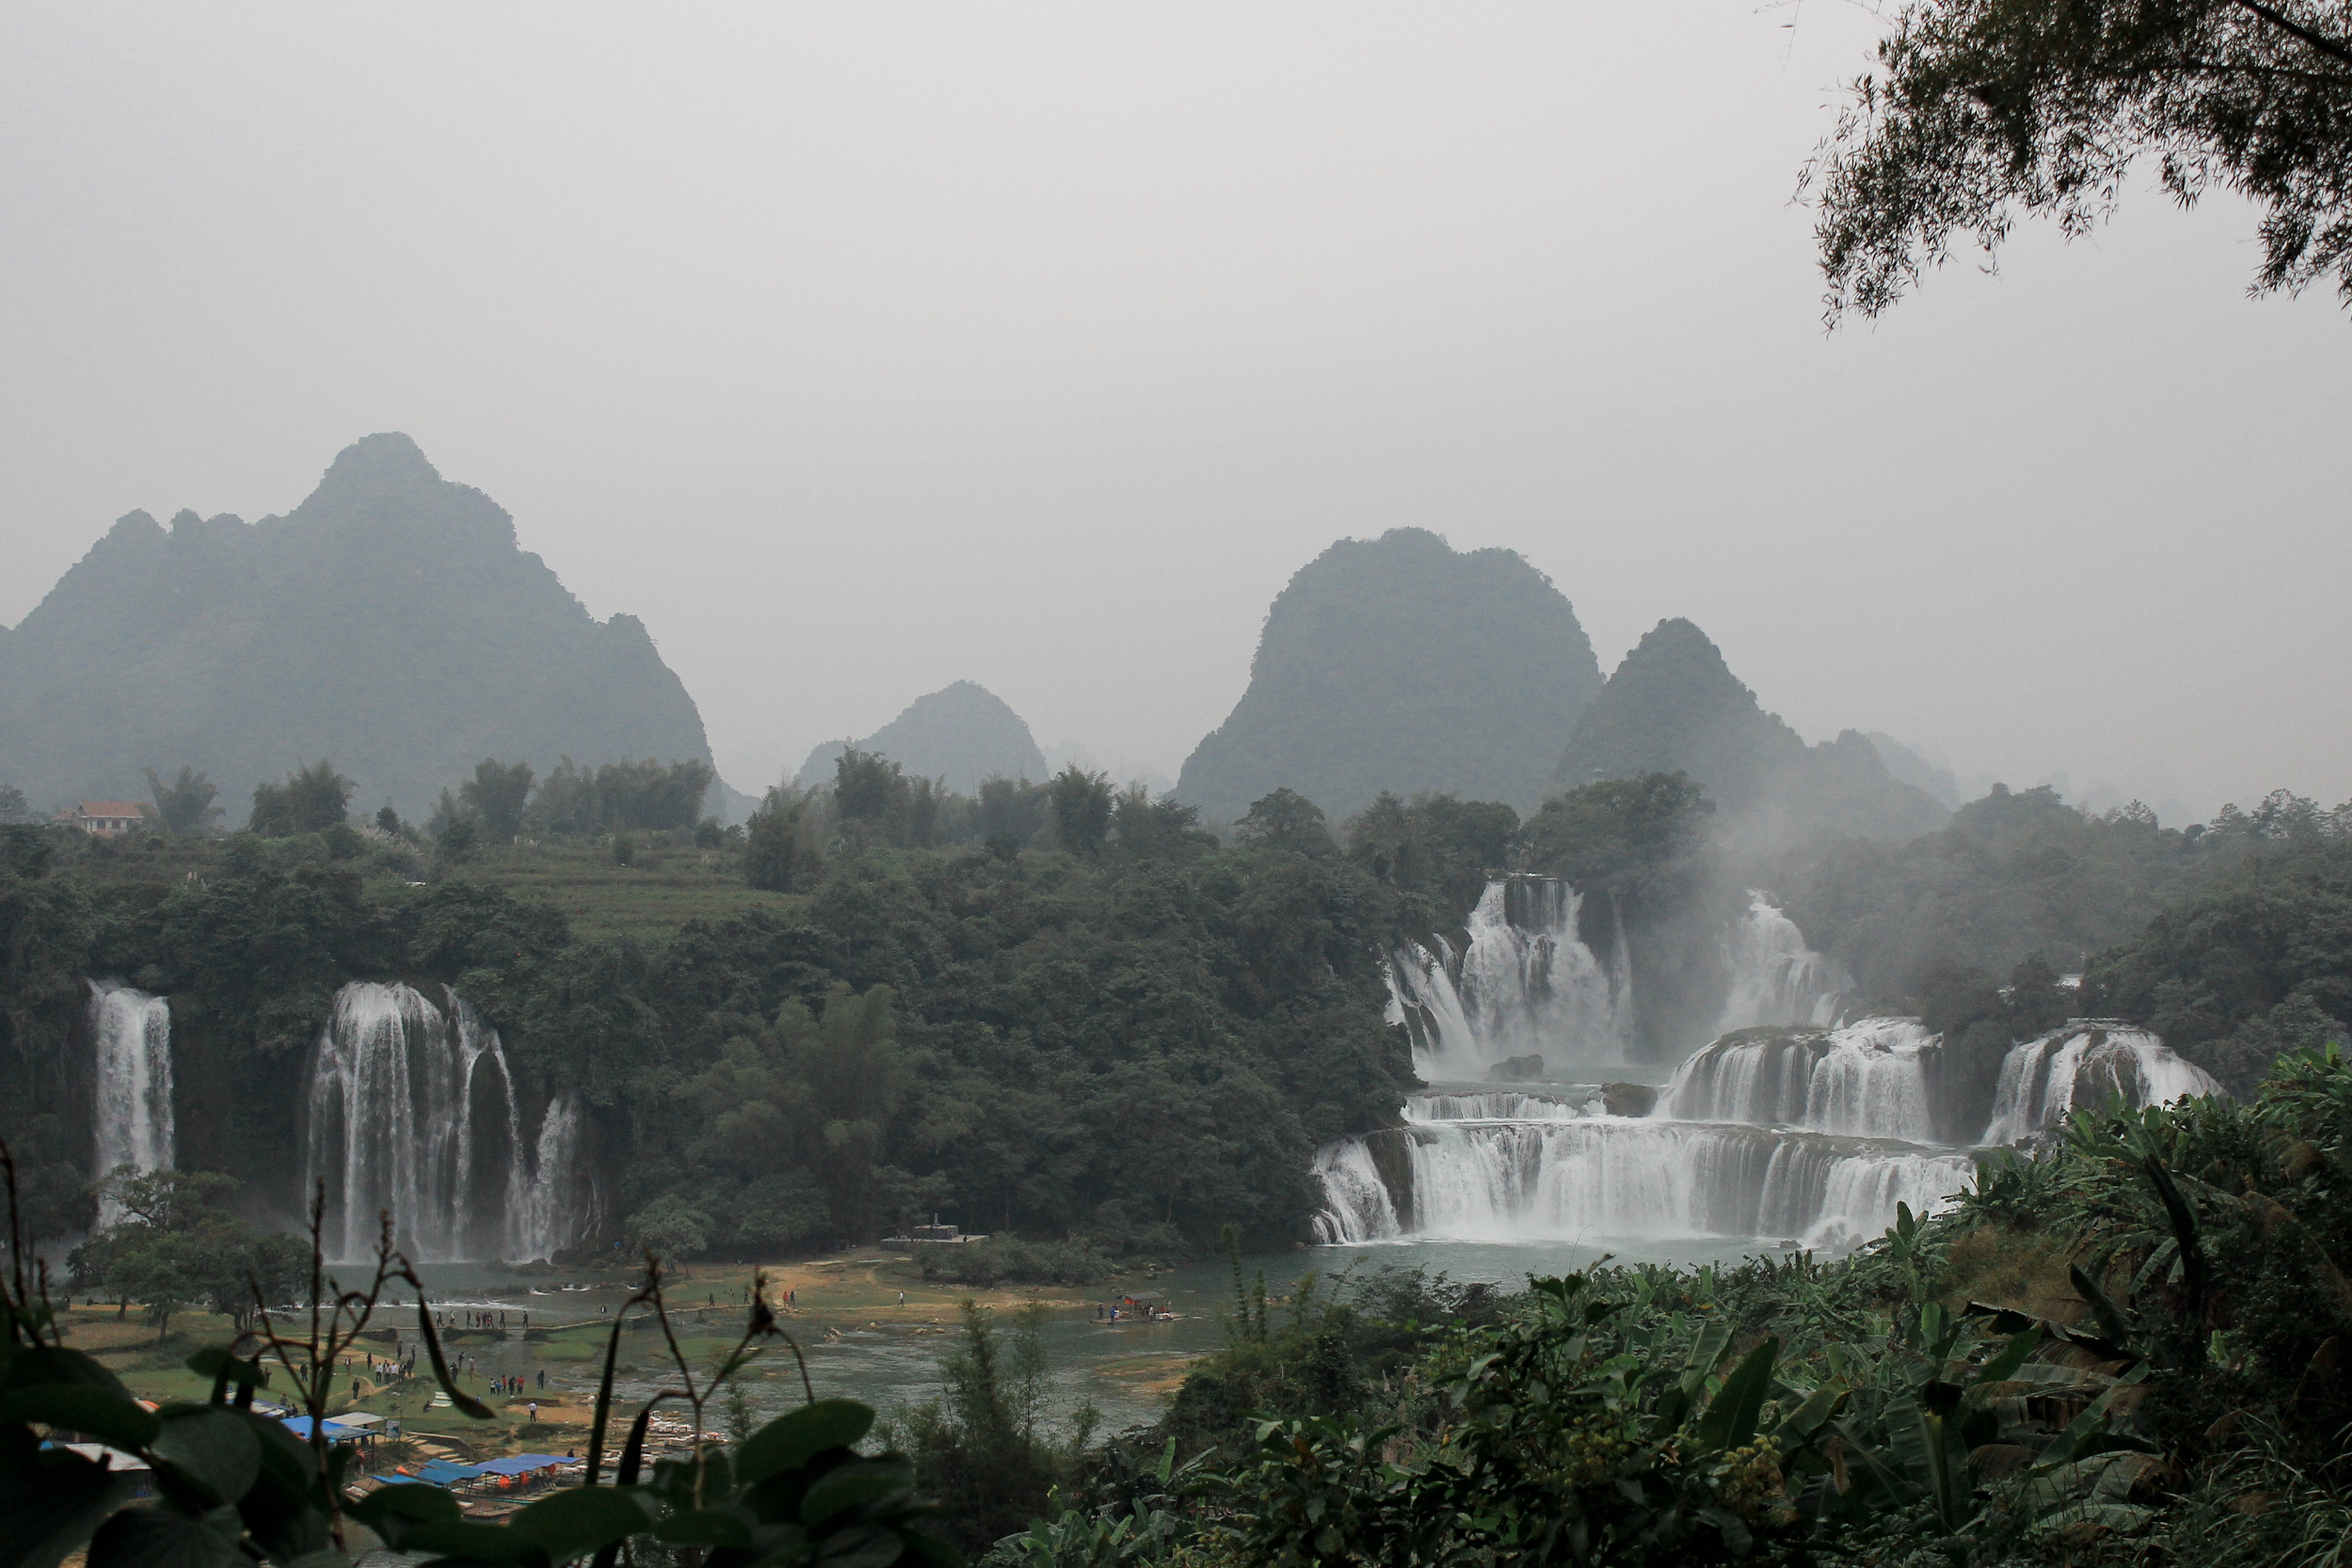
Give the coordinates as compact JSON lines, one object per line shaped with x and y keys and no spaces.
{"x":709,"y":1527}
{"x":1732,"y":1528}
{"x":2095,"y":1416}
{"x":2012,"y":1355}
{"x":929,"y":1549}
{"x":2122,"y":1518}
{"x":1820,"y":1407}
{"x":281,"y":1507}
{"x":791,"y":1441}
{"x":391,"y":1511}
{"x":860,"y":1546}
{"x":39,"y":1366}
{"x":212,"y":1447}
{"x":107,"y":1417}
{"x":576,"y":1522}
{"x":53,"y":1505}
{"x":854,"y":1485}
{"x":1732,"y":1413}
{"x":1708,"y":1349}
{"x":226,"y":1370}
{"x":476,"y":1543}
{"x":2114,"y":1324}
{"x":322,"y":1557}
{"x":163,"y":1537}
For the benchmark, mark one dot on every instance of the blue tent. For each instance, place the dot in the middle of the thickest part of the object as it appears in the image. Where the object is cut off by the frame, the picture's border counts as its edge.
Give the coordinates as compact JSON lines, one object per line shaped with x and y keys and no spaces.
{"x":440,"y":1472}
{"x":300,"y":1427}
{"x":521,"y":1465}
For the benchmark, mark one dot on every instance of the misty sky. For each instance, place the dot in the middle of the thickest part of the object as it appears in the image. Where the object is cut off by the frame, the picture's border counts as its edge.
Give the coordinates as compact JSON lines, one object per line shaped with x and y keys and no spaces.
{"x":858,"y":349}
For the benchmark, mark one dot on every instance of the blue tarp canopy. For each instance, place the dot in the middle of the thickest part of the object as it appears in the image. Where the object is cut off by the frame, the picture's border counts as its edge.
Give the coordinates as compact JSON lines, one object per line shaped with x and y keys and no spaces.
{"x":300,"y":1427}
{"x":521,"y":1465}
{"x":440,"y":1472}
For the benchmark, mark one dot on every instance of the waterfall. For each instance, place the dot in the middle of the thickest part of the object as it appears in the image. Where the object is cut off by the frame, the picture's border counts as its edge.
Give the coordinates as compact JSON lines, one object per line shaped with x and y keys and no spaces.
{"x":1502,"y":1106}
{"x":133,"y":1082}
{"x":1806,"y":1135}
{"x":2089,"y":1062}
{"x":1358,"y":1204}
{"x":1526,"y":983}
{"x":1794,"y":1130}
{"x":549,"y":1217}
{"x":1870,"y":1079}
{"x":1775,"y":978}
{"x":411,"y":1107}
{"x":1608,"y":1176}
{"x":1422,"y":997}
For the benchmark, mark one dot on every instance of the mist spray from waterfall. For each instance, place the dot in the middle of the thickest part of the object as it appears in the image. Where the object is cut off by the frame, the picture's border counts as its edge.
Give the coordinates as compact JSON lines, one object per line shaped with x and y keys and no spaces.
{"x":1776,"y":978}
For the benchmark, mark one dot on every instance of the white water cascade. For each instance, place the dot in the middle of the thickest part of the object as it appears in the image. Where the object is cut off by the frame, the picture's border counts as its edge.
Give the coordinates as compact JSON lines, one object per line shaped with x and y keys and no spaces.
{"x":1525,"y":983}
{"x":1775,"y":978}
{"x":1870,"y":1079}
{"x":1601,"y":1178}
{"x":132,"y":1089}
{"x":2087,"y":1063}
{"x":1784,"y":1130}
{"x":1503,"y":1105}
{"x":411,"y":1108}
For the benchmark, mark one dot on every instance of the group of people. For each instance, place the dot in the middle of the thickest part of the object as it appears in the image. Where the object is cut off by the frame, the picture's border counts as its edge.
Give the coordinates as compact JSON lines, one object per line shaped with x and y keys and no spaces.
{"x":1111,"y":1312}
{"x":492,"y":1319}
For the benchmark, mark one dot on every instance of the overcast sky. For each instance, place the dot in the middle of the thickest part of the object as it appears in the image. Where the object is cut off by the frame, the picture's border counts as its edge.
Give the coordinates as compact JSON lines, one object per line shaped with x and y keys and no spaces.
{"x":862,"y":348}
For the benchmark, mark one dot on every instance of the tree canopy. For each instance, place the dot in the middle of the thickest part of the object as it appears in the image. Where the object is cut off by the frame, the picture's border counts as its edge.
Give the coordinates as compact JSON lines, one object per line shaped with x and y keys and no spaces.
{"x":1981,"y":110}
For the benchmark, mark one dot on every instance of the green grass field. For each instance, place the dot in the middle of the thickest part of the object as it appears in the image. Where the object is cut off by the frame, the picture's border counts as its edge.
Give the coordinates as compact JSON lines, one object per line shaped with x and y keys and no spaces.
{"x":666,"y":887}
{"x":668,"y":883}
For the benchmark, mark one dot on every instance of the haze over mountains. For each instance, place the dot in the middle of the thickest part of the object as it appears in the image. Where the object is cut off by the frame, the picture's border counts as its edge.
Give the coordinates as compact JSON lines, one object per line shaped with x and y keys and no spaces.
{"x":1399,"y":663}
{"x":960,"y":735}
{"x":1675,"y":705}
{"x":389,"y":622}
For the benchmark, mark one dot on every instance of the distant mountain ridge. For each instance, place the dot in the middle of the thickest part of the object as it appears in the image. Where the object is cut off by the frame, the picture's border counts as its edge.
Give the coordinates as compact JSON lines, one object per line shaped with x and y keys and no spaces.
{"x":389,"y":622}
{"x":1675,"y":705}
{"x":1400,"y":663}
{"x":961,"y":734}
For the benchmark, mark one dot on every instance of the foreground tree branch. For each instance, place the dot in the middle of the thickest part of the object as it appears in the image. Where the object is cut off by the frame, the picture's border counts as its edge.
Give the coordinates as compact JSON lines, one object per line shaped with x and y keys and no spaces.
{"x":1983,"y":110}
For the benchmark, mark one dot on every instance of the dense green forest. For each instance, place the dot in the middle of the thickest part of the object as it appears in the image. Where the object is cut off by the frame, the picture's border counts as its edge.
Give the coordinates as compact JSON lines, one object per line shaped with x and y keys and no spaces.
{"x":2125,"y":1352}
{"x":1068,"y":1014}
{"x":1058,"y":1009}
{"x":1006,"y":1004}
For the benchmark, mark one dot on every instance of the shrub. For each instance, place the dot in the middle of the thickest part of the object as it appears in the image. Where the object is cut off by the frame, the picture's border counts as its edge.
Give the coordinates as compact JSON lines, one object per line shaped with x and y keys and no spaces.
{"x":1008,"y":1259}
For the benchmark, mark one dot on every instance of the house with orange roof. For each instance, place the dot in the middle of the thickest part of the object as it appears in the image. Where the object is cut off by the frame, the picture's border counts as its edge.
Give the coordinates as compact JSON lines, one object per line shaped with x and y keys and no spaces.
{"x":104,"y":818}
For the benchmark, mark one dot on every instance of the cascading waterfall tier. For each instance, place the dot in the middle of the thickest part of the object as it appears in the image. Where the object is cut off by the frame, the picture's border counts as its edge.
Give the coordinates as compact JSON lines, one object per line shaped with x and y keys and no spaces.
{"x":1811,"y":1135}
{"x":132,"y":1089}
{"x":1783,"y":1129}
{"x":1525,"y":983}
{"x":411,"y":1108}
{"x":2087,"y":1063}
{"x":1775,"y":978}
{"x":1505,"y":1105}
{"x":1603,"y":1177}
{"x":1871,"y":1079}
